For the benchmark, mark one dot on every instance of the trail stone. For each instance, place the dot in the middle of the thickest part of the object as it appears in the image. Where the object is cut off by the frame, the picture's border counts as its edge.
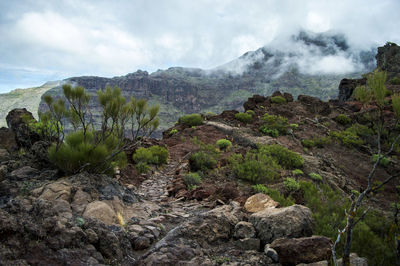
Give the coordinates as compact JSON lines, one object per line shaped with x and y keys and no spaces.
{"x":259,"y":202}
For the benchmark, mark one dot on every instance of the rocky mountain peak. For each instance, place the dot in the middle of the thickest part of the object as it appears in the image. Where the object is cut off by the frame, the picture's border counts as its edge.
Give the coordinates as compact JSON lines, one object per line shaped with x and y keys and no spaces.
{"x":388,"y":57}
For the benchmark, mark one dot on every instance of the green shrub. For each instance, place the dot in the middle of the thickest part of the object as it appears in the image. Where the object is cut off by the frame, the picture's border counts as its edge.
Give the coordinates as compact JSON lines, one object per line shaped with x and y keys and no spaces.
{"x":191,"y":120}
{"x":274,"y":194}
{"x":347,"y":138}
{"x":255,"y":167}
{"x":273,"y":123}
{"x":244,"y":117}
{"x":192,"y":180}
{"x":343,"y":119}
{"x":202,"y":161}
{"x":224,"y":144}
{"x":283,"y":156}
{"x":156,"y":155}
{"x":142,"y":167}
{"x":308,"y":143}
{"x":79,"y":153}
{"x":297,"y":172}
{"x":173,"y":131}
{"x":315,"y":176}
{"x":278,"y":99}
{"x":294,"y":126}
{"x":271,"y":132}
{"x":395,"y":81}
{"x":291,"y":184}
{"x":250,"y":112}
{"x":384,"y":161}
{"x":319,"y":142}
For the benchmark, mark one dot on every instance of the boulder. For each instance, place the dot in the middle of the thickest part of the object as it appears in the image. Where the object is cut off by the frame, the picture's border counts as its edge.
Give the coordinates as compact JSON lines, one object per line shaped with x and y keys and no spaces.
{"x":302,"y":250}
{"x":53,"y":191}
{"x":259,"y":202}
{"x":101,"y":211}
{"x":248,"y":244}
{"x":314,"y":105}
{"x":18,"y":121}
{"x":288,"y":97}
{"x":288,"y":222}
{"x":271,"y":253}
{"x":244,"y":230}
{"x":252,"y":102}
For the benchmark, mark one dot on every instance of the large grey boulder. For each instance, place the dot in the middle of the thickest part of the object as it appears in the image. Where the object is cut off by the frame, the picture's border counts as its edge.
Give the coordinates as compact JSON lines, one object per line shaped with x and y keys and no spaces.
{"x":288,"y":222}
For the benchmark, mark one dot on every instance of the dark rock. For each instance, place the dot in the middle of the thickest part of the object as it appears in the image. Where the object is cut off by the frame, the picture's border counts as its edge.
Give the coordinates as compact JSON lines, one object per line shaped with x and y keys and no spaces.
{"x":277,"y":93}
{"x":252,"y":102}
{"x":314,"y":105}
{"x":288,"y":97}
{"x":39,"y":152}
{"x":248,"y":244}
{"x":17,"y":121}
{"x":274,"y":223}
{"x":7,"y":140}
{"x":347,"y":87}
{"x":4,"y":155}
{"x":24,"y":173}
{"x":244,"y":230}
{"x":292,"y":251}
{"x":271,"y":253}
{"x":388,"y":57}
{"x":141,"y":243}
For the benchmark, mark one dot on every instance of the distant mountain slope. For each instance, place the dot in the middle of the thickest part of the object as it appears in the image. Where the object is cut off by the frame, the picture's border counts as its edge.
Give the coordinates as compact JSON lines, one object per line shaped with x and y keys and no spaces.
{"x":23,"y":98}
{"x":308,"y":63}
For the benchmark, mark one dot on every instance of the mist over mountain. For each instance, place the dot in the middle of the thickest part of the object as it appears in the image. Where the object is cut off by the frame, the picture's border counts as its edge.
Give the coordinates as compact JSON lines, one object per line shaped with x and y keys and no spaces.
{"x":306,"y":63}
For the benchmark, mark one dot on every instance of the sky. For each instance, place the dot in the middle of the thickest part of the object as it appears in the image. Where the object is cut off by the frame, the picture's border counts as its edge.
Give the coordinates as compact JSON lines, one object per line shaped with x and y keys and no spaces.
{"x":43,"y":40}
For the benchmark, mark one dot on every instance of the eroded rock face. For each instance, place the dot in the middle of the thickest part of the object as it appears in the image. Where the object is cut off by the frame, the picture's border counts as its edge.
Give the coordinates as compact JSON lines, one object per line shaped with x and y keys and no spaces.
{"x":388,"y":57}
{"x":7,"y":140}
{"x":17,"y":122}
{"x":292,"y":251}
{"x":314,"y":105}
{"x":347,"y":87}
{"x":289,"y":222}
{"x":259,"y":202}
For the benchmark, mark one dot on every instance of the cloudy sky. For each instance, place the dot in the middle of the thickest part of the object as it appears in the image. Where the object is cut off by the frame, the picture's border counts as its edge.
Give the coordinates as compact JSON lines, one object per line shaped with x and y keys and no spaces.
{"x":43,"y":40}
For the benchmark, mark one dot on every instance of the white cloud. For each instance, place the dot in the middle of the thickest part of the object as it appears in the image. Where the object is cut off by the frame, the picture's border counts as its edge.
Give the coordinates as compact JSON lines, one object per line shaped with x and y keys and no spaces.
{"x":83,"y":37}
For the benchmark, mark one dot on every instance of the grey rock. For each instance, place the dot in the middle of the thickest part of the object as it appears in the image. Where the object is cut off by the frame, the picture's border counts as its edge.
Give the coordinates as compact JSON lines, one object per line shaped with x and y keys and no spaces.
{"x":244,"y":230}
{"x":24,"y":173}
{"x":273,"y":223}
{"x":141,"y":243}
{"x":4,"y":155}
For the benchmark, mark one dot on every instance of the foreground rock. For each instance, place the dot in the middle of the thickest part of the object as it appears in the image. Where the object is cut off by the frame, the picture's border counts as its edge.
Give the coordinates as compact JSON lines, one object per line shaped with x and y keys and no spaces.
{"x":289,"y":222}
{"x":18,"y":122}
{"x":293,"y":251}
{"x":259,"y":202}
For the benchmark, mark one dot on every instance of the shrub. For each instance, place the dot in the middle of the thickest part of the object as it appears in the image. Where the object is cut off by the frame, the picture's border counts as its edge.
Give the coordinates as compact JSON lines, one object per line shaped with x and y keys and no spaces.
{"x":315,"y":176}
{"x":297,"y":172}
{"x":294,"y":126}
{"x":155,"y":155}
{"x":384,"y":161}
{"x":192,"y":180}
{"x":255,"y":167}
{"x":347,"y":137}
{"x":191,"y":120}
{"x":173,"y":131}
{"x":283,"y":156}
{"x":319,"y":142}
{"x":202,"y":161}
{"x":250,"y":112}
{"x":343,"y":119}
{"x":395,"y":81}
{"x":278,"y":99}
{"x":362,"y":94}
{"x":271,"y":132}
{"x":308,"y":143}
{"x":224,"y":144}
{"x":81,"y":152}
{"x":273,"y":123}
{"x":291,"y":184}
{"x":274,"y":194}
{"x":244,"y":117}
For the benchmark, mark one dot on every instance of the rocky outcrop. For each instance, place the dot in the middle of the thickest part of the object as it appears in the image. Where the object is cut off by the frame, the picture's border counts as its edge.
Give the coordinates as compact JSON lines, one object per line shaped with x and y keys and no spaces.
{"x":17,"y":122}
{"x":314,"y":105}
{"x":7,"y":139}
{"x":347,"y":87}
{"x":289,"y":222}
{"x":292,"y":251}
{"x":388,"y":57}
